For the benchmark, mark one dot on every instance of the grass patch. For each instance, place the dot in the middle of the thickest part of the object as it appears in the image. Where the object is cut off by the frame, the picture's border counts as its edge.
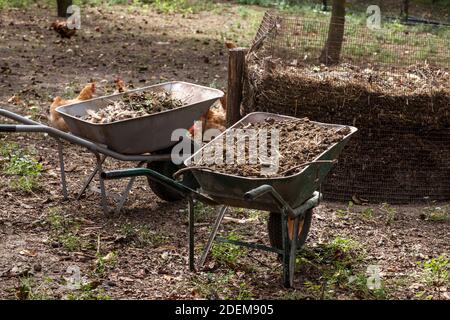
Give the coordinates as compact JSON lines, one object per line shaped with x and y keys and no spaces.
{"x":15,"y":3}
{"x":182,"y":6}
{"x":359,"y":284}
{"x":105,"y":263}
{"x":391,"y":213}
{"x":343,"y":213}
{"x":435,"y":274}
{"x":202,"y":212}
{"x":87,"y":292}
{"x":367,"y":214}
{"x":21,"y":164}
{"x":228,"y":254}
{"x":435,"y":213}
{"x":337,"y":266}
{"x":435,"y":271}
{"x":225,"y":287}
{"x":64,"y":230}
{"x":141,"y":235}
{"x":28,"y":289}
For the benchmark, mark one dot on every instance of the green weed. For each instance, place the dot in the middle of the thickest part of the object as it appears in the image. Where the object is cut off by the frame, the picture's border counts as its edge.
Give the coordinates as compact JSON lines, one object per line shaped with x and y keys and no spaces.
{"x":436,"y":213}
{"x":244,"y":292}
{"x":22,"y":165}
{"x":104,"y":263}
{"x":390,"y":211}
{"x":202,"y":212}
{"x":141,"y":236}
{"x":227,"y":253}
{"x":336,"y":266}
{"x":436,"y":271}
{"x":182,"y":6}
{"x":64,"y":229}
{"x":367,"y":214}
{"x":15,"y":3}
{"x":87,"y":292}
{"x":29,"y":290}
{"x":226,"y":287}
{"x":342,"y":213}
{"x":359,"y":286}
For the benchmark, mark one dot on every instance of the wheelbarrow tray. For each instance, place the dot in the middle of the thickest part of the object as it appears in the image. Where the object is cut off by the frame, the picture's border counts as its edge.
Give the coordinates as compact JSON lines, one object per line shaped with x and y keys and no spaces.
{"x":142,"y":134}
{"x":295,"y":189}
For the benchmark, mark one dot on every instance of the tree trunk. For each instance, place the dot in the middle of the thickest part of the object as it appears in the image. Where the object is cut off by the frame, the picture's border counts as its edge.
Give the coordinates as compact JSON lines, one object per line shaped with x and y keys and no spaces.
{"x":405,"y":10}
{"x":332,"y":51}
{"x":62,"y":7}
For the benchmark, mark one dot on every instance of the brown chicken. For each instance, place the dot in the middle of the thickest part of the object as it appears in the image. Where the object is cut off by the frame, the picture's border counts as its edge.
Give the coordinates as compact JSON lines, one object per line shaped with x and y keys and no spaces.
{"x":214,"y":118}
{"x":120,"y":86}
{"x":62,"y":29}
{"x":56,"y":120}
{"x":230,"y":44}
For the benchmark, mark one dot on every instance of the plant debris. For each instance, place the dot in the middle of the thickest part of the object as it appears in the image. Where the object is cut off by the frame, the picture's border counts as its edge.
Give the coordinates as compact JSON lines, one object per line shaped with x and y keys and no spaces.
{"x":133,"y":105}
{"x":300,"y":141}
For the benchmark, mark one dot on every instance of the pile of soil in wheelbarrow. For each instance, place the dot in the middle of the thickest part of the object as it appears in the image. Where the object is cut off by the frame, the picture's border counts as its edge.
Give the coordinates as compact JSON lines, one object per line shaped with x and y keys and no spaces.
{"x":300,"y":141}
{"x":133,"y":105}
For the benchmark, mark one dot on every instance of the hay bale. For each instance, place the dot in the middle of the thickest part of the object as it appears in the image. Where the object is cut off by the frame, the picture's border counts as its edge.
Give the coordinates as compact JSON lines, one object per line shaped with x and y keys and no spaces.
{"x":418,"y":96}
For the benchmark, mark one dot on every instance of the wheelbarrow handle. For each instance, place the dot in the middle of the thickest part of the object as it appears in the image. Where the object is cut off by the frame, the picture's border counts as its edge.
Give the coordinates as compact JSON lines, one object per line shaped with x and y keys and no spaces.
{"x":160,"y":178}
{"x":258,"y":192}
{"x":153,"y":175}
{"x":8,"y":128}
{"x":282,"y":204}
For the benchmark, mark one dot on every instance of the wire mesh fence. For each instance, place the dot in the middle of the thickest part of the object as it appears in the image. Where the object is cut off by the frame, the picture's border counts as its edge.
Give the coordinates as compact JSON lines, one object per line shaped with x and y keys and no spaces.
{"x":393,"y":45}
{"x":392,"y":83}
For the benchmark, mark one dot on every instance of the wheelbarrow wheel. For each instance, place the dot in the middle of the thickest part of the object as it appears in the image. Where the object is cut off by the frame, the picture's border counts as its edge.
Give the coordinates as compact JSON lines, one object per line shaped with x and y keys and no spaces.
{"x":166,"y":168}
{"x":275,"y":233}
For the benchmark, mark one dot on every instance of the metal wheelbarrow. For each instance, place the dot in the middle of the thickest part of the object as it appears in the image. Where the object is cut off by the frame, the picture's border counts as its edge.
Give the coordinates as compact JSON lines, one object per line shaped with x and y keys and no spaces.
{"x":145,"y":139}
{"x":290,"y":200}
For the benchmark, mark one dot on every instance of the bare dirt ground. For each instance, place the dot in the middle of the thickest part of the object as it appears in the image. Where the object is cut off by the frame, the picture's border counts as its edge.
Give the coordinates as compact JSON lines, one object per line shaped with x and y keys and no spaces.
{"x":141,"y":253}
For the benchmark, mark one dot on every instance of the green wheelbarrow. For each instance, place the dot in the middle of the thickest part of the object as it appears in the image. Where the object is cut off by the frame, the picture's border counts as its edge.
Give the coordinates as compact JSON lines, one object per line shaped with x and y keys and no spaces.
{"x":290,"y":200}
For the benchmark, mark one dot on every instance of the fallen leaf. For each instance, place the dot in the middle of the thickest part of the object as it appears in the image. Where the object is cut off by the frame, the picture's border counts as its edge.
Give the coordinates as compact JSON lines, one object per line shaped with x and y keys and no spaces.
{"x":15,"y":99}
{"x":126,"y":279}
{"x":28,"y":253}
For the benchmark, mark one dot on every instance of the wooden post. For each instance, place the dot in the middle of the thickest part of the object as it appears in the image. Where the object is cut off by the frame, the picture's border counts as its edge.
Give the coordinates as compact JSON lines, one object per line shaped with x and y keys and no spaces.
{"x":236,"y":60}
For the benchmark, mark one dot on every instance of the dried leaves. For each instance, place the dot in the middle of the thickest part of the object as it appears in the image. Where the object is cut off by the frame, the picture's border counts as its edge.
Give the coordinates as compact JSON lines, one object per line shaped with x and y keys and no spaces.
{"x":133,"y":105}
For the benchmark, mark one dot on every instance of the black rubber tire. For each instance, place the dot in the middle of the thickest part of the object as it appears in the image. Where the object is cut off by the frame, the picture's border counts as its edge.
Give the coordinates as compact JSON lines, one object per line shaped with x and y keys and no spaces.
{"x":274,"y":229}
{"x":166,"y":168}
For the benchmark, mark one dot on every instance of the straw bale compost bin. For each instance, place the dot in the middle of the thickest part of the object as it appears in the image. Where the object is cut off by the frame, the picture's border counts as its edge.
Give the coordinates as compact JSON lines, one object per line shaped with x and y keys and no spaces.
{"x":401,"y":153}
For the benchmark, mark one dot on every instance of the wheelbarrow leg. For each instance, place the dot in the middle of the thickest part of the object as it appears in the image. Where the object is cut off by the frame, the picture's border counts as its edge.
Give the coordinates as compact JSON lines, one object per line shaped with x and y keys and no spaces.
{"x":125,"y":193}
{"x":222,"y":210}
{"x":92,"y":175}
{"x":61,"y":166}
{"x":293,"y":254}
{"x":102,"y":183}
{"x":286,"y":251}
{"x":191,"y":234}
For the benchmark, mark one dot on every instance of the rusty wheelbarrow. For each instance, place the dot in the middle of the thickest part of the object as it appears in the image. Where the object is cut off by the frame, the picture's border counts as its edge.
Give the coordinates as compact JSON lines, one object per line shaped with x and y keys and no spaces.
{"x":290,"y":200}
